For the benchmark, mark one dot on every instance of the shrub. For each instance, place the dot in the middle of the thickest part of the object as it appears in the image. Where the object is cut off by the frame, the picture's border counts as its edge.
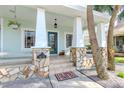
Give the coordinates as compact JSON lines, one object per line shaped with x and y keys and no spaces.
{"x":115,"y":49}
{"x":88,"y":47}
{"x":121,"y":74}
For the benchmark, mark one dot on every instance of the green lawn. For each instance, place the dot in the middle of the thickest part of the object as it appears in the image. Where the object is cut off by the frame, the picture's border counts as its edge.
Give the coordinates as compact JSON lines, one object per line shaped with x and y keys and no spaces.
{"x":120,"y":74}
{"x":119,"y":59}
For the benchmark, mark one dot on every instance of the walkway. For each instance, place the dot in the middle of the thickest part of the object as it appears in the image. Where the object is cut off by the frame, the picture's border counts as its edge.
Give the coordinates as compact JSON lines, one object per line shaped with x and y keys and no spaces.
{"x":57,"y":64}
{"x":112,"y":82}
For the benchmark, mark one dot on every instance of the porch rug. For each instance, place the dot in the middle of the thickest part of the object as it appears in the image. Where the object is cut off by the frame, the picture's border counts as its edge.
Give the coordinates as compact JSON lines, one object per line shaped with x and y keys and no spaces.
{"x":65,"y":75}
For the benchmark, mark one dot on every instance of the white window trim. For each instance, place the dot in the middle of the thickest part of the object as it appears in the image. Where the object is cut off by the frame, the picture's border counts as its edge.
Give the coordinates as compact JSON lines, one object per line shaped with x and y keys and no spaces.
{"x":22,"y":39}
{"x":65,"y":33}
{"x":57,"y":38}
{"x":1,"y":26}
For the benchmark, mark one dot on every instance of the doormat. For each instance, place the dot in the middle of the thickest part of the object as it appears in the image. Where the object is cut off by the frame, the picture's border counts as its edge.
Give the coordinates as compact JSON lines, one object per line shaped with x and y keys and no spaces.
{"x":65,"y":75}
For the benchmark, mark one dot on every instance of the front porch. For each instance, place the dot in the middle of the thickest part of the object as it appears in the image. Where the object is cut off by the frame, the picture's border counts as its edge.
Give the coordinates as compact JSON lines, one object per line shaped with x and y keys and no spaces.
{"x":87,"y":78}
{"x":57,"y":64}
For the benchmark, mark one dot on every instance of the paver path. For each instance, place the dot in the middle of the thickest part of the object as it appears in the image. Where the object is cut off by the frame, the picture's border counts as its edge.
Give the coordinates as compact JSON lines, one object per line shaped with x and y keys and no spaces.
{"x":113,"y":82}
{"x":29,"y":83}
{"x":81,"y":81}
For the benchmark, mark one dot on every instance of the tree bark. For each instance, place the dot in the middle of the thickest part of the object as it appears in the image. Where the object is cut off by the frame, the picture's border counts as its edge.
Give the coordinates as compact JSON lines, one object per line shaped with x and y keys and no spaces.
{"x":111,"y":65}
{"x":99,"y":63}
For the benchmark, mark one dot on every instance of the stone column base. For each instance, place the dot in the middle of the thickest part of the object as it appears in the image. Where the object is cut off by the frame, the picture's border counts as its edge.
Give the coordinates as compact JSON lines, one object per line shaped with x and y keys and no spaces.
{"x":77,"y":56}
{"x":41,"y":61}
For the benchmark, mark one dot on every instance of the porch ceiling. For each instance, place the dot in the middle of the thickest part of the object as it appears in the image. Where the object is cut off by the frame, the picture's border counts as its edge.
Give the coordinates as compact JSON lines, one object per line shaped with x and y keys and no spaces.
{"x":74,"y":11}
{"x":64,"y":14}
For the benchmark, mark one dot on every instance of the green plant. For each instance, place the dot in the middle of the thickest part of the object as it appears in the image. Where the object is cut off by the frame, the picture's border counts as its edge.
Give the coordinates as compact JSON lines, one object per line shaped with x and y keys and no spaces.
{"x":115,"y":49}
{"x":120,"y":74}
{"x":13,"y":22}
{"x":88,"y":47}
{"x":119,"y":59}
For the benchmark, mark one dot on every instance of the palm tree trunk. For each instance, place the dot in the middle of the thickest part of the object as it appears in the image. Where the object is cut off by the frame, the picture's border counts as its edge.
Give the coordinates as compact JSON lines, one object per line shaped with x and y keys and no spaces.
{"x":100,"y":66}
{"x":111,"y":65}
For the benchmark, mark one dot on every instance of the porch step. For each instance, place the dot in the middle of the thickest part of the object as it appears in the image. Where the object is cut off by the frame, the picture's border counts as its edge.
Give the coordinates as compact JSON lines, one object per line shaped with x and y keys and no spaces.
{"x":61,"y":66}
{"x":15,"y":61}
{"x":59,"y":61}
{"x":59,"y":70}
{"x":64,"y":64}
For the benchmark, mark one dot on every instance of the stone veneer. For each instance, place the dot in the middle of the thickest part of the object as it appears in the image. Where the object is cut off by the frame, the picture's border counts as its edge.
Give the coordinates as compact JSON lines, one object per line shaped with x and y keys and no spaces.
{"x":15,"y":72}
{"x":39,"y":67}
{"x":42,"y":64}
{"x":79,"y":59}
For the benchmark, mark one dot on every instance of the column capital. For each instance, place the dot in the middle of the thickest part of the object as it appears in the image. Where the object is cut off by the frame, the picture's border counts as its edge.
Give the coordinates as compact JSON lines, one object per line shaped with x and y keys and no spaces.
{"x":40,"y":9}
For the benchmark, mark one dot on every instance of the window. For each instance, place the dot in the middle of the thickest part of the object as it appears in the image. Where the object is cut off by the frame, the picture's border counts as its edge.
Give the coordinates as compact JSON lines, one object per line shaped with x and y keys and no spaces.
{"x":68,"y":40}
{"x":29,"y":38}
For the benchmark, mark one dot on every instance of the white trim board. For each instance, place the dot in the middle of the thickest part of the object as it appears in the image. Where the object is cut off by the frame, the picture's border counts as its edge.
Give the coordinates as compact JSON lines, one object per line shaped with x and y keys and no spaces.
{"x":23,"y":49}
{"x":65,"y":33}
{"x":1,"y":30}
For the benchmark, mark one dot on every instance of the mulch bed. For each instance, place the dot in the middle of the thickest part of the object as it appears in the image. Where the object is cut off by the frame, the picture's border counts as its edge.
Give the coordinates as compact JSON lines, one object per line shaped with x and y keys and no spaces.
{"x":65,"y":75}
{"x":113,"y":82}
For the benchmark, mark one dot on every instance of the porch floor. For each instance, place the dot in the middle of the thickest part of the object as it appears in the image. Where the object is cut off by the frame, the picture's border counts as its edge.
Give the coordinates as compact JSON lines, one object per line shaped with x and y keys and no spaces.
{"x":57,"y":64}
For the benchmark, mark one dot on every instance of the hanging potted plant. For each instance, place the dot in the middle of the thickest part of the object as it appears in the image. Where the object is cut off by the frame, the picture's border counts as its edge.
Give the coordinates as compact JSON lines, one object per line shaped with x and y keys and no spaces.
{"x":14,"y":24}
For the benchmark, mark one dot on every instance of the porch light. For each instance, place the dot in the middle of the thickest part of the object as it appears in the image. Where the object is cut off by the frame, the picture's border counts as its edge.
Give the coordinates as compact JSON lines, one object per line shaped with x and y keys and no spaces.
{"x":55,"y":24}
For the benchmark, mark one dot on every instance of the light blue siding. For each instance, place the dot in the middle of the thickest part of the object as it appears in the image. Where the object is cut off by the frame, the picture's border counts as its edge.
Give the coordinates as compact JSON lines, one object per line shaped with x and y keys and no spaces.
{"x":13,"y":39}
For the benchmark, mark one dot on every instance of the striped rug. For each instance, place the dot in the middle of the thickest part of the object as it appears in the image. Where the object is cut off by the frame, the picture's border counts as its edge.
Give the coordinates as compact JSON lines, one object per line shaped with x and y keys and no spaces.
{"x":65,"y":75}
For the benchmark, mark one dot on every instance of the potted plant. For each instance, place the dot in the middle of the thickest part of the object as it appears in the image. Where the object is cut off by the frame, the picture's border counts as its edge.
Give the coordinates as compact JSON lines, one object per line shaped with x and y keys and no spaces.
{"x":14,"y":24}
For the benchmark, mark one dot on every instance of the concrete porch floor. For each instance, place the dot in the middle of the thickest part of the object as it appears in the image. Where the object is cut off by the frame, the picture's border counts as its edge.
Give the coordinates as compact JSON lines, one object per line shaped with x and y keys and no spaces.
{"x":57,"y":64}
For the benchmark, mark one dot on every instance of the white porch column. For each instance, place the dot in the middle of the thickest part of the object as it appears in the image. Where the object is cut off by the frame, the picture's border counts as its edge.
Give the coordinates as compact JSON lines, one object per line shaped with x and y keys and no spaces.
{"x":1,"y":31}
{"x":40,"y":51}
{"x":78,"y":36}
{"x":102,"y":41}
{"x":78,"y":51}
{"x":101,"y":35}
{"x":41,"y":33}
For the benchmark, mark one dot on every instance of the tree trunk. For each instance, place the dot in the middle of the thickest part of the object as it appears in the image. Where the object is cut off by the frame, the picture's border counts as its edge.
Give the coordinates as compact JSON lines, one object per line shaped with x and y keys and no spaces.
{"x":99,"y":63}
{"x":111,"y":65}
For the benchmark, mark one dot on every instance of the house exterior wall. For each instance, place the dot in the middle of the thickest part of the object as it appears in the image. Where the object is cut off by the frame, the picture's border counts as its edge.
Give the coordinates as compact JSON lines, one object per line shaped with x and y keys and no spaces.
{"x":13,"y":39}
{"x":0,"y":39}
{"x":119,"y":43}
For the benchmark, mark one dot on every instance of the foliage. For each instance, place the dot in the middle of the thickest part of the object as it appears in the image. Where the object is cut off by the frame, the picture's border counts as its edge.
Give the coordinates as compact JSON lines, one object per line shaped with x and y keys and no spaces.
{"x":121,"y":16}
{"x":120,"y":74}
{"x":104,"y":8}
{"x":119,"y":59}
{"x":13,"y":22}
{"x":109,"y":9}
{"x":115,"y":49}
{"x":88,"y":47}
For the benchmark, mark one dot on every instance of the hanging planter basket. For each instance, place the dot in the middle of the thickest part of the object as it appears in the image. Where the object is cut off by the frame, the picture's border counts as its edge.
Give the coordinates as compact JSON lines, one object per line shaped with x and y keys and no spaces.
{"x":14,"y":24}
